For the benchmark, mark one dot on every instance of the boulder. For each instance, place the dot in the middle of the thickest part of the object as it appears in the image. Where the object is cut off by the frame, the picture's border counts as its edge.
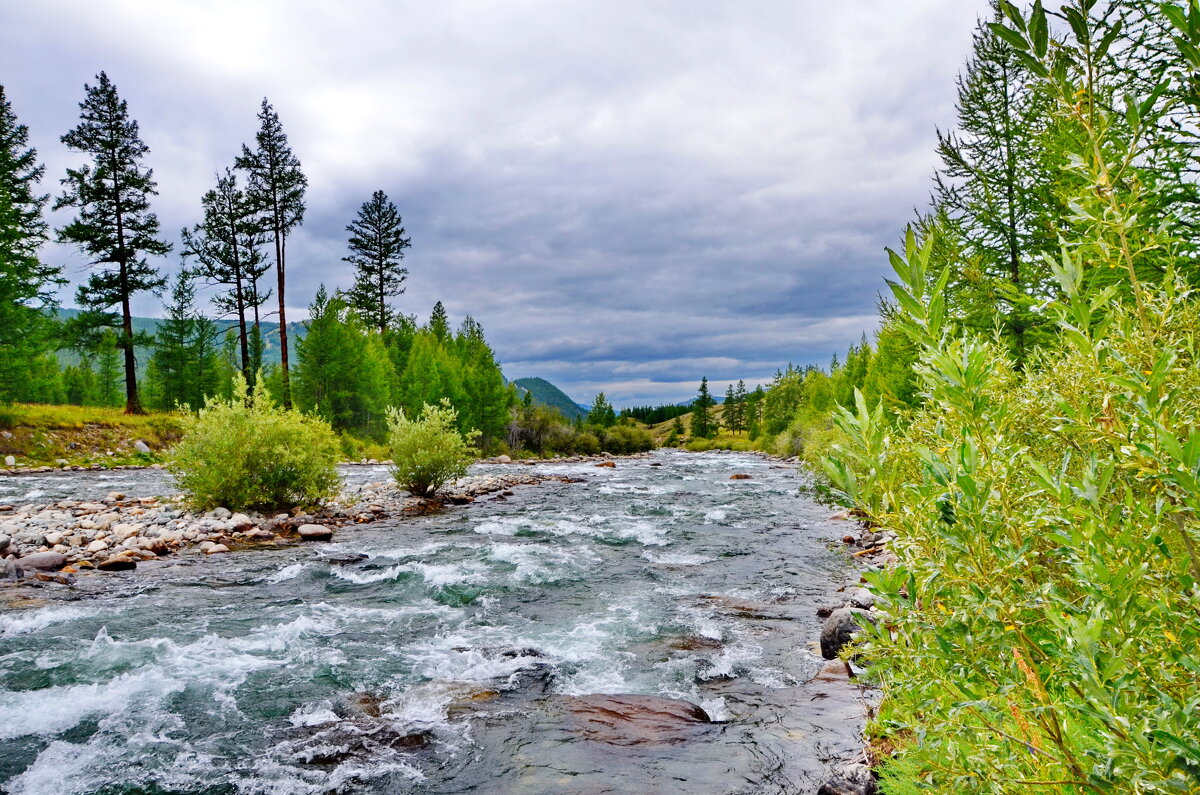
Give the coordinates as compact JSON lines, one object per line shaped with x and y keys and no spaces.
{"x":240,"y":522}
{"x":608,"y":464}
{"x":860,"y":598}
{"x":315,"y":532}
{"x":635,"y":720}
{"x":141,"y":447}
{"x":45,"y":561}
{"x":10,"y":461}
{"x":851,"y":779}
{"x":121,"y":562}
{"x":740,"y":476}
{"x":216,"y":549}
{"x":220,"y":513}
{"x":503,"y":459}
{"x":840,"y":628}
{"x":4,"y":541}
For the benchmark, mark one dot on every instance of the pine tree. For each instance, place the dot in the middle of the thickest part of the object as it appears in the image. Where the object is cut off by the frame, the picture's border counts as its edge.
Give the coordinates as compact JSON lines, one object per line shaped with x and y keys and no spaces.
{"x":115,"y":225}
{"x":26,"y":284}
{"x":439,"y":323}
{"x":601,"y":412}
{"x":185,"y":365}
{"x":108,"y":369}
{"x":701,"y":419}
{"x":276,"y":192}
{"x":377,"y":244}
{"x":677,"y":427}
{"x":227,"y":247}
{"x":729,"y":410}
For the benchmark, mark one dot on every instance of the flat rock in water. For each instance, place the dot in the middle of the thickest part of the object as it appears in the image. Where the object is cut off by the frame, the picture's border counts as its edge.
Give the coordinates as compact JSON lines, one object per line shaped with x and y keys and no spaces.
{"x":117,"y":563}
{"x":609,"y":464}
{"x":635,"y":720}
{"x":315,"y":532}
{"x":740,"y":476}
{"x":43,"y":561}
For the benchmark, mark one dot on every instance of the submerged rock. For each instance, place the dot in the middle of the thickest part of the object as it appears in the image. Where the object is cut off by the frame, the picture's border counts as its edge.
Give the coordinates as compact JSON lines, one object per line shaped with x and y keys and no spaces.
{"x":635,"y":720}
{"x":851,"y":779}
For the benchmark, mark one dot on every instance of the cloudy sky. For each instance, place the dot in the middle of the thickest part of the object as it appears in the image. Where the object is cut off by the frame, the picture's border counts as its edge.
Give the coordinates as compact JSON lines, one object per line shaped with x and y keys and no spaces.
{"x":628,"y":195}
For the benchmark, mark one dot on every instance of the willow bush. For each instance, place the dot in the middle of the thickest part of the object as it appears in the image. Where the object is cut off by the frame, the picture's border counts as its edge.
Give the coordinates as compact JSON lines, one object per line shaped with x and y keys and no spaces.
{"x":248,"y":453}
{"x":428,"y":452}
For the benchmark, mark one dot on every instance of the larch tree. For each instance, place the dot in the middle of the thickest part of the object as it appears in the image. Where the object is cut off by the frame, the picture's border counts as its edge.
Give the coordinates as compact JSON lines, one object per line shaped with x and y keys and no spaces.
{"x":26,"y":283}
{"x":115,"y":226}
{"x":275,"y":189}
{"x":377,"y":245}
{"x":439,"y":323}
{"x":701,"y":406}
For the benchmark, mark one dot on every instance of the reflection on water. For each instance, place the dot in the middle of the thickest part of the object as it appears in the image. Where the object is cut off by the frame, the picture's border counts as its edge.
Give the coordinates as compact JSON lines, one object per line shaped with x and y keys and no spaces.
{"x":450,"y":659}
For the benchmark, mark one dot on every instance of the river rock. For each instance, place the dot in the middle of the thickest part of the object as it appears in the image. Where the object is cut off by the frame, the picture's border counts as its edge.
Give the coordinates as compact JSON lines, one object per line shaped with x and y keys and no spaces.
{"x":740,"y":476}
{"x":10,"y":461}
{"x":141,"y":447}
{"x":860,"y":598}
{"x":99,"y":545}
{"x":4,"y":541}
{"x":122,"y":562}
{"x":240,"y":522}
{"x":315,"y":532}
{"x":840,"y":628}
{"x":635,"y":720}
{"x":45,"y":561}
{"x":216,"y":549}
{"x":503,"y":459}
{"x":609,"y":464}
{"x":220,"y":514}
{"x":851,"y":779}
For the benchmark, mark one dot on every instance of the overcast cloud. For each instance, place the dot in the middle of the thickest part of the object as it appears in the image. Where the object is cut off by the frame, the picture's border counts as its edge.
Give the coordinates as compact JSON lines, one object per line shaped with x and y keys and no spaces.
{"x":627,"y":195}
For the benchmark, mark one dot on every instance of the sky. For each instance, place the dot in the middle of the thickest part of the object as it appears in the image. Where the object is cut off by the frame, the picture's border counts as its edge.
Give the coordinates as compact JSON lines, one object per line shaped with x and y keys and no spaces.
{"x":626,"y":194}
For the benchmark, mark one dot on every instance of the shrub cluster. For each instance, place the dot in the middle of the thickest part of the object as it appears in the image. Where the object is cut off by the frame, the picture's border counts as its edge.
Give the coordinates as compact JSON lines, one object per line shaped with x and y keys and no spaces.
{"x":248,"y":453}
{"x":429,"y":451}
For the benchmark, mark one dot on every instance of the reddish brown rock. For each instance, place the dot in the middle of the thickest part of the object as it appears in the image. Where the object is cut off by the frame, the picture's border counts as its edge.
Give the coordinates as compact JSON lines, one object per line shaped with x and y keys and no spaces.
{"x":635,"y":720}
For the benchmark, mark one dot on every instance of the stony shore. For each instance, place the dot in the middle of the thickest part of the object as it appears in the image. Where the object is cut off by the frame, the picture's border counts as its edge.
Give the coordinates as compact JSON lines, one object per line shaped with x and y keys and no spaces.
{"x":49,"y":542}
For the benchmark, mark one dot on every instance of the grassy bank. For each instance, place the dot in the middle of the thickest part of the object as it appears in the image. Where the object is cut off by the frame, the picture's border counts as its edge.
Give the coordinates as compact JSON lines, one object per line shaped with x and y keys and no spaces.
{"x":41,"y":435}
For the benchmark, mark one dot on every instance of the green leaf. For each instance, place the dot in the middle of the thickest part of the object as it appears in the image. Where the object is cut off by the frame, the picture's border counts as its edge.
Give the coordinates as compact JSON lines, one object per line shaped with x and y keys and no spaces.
{"x":1039,"y":30}
{"x":1010,"y":36}
{"x":1109,"y":38}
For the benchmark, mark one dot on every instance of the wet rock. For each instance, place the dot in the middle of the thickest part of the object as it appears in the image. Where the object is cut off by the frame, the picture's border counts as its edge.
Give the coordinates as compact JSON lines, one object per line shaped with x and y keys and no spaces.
{"x":655,"y":463}
{"x":840,"y":628}
{"x":693,"y":643}
{"x":860,"y":598}
{"x":216,"y":549}
{"x":609,"y":464}
{"x":740,"y":476}
{"x":346,"y":558}
{"x":57,"y":579}
{"x":43,"y":561}
{"x":851,"y":779}
{"x":240,"y":523}
{"x":315,"y":532}
{"x":117,"y":563}
{"x":747,"y":608}
{"x":259,"y":534}
{"x":635,"y":720}
{"x":114,"y":496}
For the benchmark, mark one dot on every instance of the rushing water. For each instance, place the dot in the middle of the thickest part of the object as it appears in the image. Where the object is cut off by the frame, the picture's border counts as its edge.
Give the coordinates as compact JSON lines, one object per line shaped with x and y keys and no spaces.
{"x":441,"y":661}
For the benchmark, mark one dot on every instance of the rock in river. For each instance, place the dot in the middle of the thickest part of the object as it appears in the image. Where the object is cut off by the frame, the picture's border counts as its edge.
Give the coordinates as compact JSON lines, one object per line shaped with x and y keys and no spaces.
{"x":117,"y":563}
{"x":840,"y":628}
{"x":635,"y":720}
{"x":315,"y":532}
{"x":43,"y":561}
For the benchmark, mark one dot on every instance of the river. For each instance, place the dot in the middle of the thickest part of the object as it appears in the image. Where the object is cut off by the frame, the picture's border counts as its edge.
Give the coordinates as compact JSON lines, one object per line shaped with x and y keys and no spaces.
{"x":445,"y":653}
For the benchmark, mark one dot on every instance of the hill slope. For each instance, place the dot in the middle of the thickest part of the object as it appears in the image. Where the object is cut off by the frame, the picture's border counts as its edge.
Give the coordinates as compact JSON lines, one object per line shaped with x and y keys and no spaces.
{"x":548,"y":394}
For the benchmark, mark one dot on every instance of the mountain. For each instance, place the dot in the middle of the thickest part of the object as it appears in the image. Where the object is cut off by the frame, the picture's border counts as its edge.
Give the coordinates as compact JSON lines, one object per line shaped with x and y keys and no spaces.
{"x":548,"y":394}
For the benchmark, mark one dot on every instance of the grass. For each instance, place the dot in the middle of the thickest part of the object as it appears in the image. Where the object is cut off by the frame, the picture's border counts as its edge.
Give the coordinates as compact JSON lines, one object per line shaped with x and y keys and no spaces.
{"x":43,"y":435}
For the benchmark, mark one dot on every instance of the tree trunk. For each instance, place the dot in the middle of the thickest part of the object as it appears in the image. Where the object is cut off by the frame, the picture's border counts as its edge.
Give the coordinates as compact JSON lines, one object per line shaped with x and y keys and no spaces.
{"x":280,"y":253}
{"x":132,"y":404}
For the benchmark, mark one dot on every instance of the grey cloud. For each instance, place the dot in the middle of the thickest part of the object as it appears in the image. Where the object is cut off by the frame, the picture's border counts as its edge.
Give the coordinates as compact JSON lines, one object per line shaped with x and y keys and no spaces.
{"x":627,"y":195}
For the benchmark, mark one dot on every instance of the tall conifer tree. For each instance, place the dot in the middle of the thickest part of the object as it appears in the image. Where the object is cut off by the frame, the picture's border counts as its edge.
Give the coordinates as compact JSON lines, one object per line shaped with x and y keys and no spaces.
{"x":227,"y":247}
{"x":26,"y":284}
{"x":377,"y":245}
{"x":701,"y":419}
{"x":115,"y":226}
{"x":276,"y":190}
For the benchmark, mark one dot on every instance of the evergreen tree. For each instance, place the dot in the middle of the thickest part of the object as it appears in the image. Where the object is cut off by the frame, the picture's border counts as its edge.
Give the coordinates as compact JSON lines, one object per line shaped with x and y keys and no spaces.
{"x":108,"y":369}
{"x":377,"y":244}
{"x":26,"y":284}
{"x":601,"y":412}
{"x":754,"y":405}
{"x":344,"y":373}
{"x":276,"y":192}
{"x":429,"y":375}
{"x":227,"y":247}
{"x":729,"y":410}
{"x":677,"y":426}
{"x":115,"y":225}
{"x":79,"y":383}
{"x":184,"y":367}
{"x":488,"y":399}
{"x":702,"y":424}
{"x":739,"y":406}
{"x":439,"y":323}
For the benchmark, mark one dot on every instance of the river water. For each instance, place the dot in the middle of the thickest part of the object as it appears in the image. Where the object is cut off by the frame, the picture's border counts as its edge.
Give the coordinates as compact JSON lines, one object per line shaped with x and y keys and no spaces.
{"x":441,"y":653}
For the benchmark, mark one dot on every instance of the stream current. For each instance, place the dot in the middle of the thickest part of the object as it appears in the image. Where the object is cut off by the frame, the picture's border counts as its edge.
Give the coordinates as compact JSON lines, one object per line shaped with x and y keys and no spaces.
{"x":435,"y":653}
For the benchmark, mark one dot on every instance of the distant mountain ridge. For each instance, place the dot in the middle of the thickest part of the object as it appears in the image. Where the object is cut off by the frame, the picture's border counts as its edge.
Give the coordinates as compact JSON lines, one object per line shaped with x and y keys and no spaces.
{"x":548,"y":394}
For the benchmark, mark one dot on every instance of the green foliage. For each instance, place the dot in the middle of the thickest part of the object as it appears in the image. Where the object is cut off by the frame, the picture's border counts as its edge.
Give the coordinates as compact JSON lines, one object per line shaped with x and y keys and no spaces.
{"x":248,"y":453}
{"x":184,"y":368}
{"x":115,"y":227}
{"x":702,"y":424}
{"x":601,"y":413}
{"x":377,"y":244}
{"x":428,"y":452}
{"x":625,"y":439}
{"x":344,"y":375}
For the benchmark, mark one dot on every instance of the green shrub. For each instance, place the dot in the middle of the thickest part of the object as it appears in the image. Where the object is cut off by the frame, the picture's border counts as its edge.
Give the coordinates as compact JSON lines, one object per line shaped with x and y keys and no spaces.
{"x":428,"y":452}
{"x":587,"y":443}
{"x":627,"y":439}
{"x":252,"y":454}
